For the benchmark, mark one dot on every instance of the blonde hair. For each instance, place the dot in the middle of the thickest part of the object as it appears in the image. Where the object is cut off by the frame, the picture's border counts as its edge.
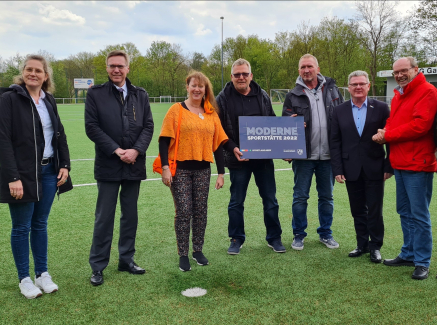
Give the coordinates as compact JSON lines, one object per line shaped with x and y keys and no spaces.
{"x":241,"y":62}
{"x":209,"y":93}
{"x":48,"y":85}
{"x":118,"y":53}
{"x":309,"y":56}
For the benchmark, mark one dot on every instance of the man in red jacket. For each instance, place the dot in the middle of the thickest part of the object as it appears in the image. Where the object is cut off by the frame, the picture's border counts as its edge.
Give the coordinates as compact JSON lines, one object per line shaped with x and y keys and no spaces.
{"x":412,"y":156}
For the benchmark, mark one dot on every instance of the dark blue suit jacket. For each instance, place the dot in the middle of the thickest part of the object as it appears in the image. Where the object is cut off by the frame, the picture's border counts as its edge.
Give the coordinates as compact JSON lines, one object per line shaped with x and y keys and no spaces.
{"x":349,"y":152}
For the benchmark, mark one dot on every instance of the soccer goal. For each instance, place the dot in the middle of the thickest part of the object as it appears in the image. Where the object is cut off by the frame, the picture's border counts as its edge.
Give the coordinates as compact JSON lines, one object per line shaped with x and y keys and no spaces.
{"x":278,"y":95}
{"x":345,"y":93}
{"x":165,"y":99}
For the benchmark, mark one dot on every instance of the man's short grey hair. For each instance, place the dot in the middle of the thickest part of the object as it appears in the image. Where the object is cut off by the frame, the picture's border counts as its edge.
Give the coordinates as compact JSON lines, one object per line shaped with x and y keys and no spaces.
{"x":241,"y":61}
{"x":308,"y":56}
{"x":118,"y":53}
{"x":412,"y":61}
{"x":358,"y":73}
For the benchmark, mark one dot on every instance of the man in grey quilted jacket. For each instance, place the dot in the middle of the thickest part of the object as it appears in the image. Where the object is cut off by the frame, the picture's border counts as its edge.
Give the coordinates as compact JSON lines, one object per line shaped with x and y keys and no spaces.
{"x":314,"y":98}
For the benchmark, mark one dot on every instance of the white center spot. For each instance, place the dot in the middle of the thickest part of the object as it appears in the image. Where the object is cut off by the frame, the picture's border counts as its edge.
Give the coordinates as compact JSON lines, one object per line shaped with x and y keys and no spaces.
{"x":194,"y":292}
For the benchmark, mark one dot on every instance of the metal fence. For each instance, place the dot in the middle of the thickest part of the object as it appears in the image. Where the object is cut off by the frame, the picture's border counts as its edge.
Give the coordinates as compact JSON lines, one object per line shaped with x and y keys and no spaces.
{"x":347,"y":96}
{"x":70,"y":100}
{"x":151,"y":99}
{"x":386,"y":99}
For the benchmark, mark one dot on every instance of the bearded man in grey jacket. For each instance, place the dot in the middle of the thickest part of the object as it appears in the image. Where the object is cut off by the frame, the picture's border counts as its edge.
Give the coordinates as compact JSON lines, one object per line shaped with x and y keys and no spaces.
{"x":314,"y":98}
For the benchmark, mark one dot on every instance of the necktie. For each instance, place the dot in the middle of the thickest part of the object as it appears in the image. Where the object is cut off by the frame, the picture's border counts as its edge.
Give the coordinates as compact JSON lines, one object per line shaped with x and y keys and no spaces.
{"x":121,"y":90}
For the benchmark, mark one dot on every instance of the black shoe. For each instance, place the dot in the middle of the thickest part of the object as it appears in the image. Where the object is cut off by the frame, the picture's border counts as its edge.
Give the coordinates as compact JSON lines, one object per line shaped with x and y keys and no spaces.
{"x":236,"y":244}
{"x":97,"y":278}
{"x":398,"y":262}
{"x":184,"y":264}
{"x":359,"y":251}
{"x":375,"y":256}
{"x":132,"y":268}
{"x":277,"y":246}
{"x":420,"y":273}
{"x":200,"y":258}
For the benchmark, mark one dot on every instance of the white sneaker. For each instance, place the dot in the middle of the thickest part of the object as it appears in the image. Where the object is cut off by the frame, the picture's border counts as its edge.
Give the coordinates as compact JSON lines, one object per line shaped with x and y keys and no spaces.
{"x":28,"y":289}
{"x":45,"y":283}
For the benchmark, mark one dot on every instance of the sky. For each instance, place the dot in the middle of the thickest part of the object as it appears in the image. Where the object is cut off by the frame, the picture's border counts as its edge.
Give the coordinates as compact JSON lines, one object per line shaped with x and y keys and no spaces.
{"x":63,"y":28}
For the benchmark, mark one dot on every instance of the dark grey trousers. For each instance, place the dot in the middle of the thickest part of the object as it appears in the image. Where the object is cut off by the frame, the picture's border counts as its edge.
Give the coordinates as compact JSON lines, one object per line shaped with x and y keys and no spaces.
{"x":104,"y":223}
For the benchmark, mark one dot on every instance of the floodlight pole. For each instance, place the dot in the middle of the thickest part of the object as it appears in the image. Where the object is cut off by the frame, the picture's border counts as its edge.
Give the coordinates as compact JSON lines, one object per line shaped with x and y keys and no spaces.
{"x":222,"y":49}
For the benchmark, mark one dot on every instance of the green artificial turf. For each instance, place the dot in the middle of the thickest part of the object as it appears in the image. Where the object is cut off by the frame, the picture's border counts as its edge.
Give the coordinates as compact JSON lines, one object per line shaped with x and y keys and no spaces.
{"x":314,"y":286}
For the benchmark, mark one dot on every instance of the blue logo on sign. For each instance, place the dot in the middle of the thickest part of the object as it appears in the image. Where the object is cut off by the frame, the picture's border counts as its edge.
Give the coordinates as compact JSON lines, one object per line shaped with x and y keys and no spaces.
{"x":89,"y":82}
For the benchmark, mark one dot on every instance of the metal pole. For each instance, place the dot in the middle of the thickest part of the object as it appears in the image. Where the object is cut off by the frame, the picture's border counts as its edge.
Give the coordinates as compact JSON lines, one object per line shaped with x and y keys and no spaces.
{"x":222,"y":49}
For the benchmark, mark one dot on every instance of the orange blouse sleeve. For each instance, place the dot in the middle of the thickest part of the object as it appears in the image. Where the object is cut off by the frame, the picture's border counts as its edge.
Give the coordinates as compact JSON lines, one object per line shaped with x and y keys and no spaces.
{"x":220,"y":136}
{"x":169,"y":124}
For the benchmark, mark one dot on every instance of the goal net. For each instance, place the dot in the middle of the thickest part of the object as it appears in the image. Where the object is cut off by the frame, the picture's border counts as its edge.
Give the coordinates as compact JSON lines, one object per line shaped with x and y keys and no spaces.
{"x":345,"y":93}
{"x":165,"y":99}
{"x":278,"y":95}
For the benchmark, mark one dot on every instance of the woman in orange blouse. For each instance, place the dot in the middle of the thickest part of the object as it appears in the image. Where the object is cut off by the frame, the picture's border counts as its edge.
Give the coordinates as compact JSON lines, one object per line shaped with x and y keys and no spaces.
{"x":201,"y":135}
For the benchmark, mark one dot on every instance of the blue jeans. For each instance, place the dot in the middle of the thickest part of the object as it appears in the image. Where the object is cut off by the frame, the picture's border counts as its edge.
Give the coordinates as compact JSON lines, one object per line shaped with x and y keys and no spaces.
{"x":303,"y":175}
{"x":32,"y":218}
{"x":265,"y":180}
{"x":413,"y":196}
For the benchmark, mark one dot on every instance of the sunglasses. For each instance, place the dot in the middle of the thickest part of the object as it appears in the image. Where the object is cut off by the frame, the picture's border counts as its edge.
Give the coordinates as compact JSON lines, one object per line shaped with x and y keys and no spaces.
{"x":238,"y":75}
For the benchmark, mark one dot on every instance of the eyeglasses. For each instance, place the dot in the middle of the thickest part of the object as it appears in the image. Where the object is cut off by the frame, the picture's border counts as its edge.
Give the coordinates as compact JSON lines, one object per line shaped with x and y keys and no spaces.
{"x":401,"y":72}
{"x":34,"y":70}
{"x":360,"y":85}
{"x":113,"y":67}
{"x":238,"y":75}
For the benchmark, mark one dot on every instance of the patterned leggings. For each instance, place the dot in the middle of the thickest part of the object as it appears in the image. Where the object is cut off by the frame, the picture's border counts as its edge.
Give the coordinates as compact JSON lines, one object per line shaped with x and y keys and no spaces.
{"x":190,"y":194}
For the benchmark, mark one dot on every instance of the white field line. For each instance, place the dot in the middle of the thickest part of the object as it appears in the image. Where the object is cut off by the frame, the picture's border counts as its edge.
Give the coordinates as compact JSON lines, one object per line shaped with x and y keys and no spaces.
{"x":158,"y":179}
{"x":92,"y":159}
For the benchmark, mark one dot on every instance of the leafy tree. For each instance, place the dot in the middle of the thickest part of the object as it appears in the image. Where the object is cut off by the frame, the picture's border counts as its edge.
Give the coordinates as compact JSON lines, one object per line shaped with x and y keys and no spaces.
{"x":339,"y":49}
{"x":197,"y":60}
{"x":9,"y":74}
{"x":376,"y":20}
{"x":212,"y":68}
{"x":263,"y":57}
{"x":60,"y":80}
{"x":10,"y":69}
{"x":291,"y":46}
{"x":167,"y":68}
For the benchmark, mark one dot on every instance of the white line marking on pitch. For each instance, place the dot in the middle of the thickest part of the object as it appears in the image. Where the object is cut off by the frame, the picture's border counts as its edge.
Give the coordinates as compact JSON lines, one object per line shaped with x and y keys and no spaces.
{"x":92,"y":159}
{"x":159,"y":179}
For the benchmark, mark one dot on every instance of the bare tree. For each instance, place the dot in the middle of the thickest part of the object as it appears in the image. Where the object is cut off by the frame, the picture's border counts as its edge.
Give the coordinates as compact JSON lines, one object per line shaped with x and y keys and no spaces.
{"x":47,"y":55}
{"x":84,"y":61}
{"x":376,"y":19}
{"x":425,"y":16}
{"x":2,"y":65}
{"x":423,"y":20}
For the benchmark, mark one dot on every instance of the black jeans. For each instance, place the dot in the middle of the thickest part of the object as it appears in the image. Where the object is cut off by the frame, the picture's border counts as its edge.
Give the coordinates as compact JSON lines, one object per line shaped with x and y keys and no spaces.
{"x":265,"y":180}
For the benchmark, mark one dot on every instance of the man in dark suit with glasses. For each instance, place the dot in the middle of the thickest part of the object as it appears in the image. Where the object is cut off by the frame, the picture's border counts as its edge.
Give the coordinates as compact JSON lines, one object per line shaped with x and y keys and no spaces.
{"x":361,"y":163}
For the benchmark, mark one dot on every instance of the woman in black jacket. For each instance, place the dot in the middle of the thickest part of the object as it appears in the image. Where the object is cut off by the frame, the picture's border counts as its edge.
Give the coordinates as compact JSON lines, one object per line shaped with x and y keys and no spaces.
{"x":34,"y":164}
